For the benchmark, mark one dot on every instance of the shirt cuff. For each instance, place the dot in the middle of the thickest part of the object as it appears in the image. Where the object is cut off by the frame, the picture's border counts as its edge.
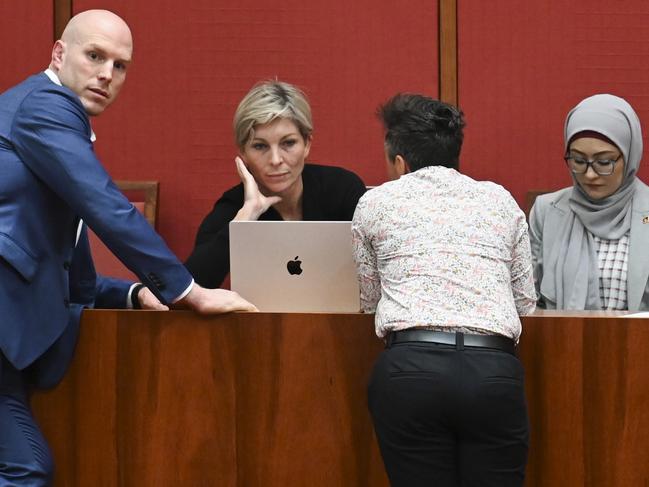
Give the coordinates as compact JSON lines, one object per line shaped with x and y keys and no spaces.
{"x":129,"y":301}
{"x":185,"y":292}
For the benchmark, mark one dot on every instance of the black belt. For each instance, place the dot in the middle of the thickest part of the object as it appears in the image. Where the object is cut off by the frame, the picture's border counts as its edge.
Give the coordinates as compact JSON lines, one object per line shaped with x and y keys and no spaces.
{"x":457,"y":339}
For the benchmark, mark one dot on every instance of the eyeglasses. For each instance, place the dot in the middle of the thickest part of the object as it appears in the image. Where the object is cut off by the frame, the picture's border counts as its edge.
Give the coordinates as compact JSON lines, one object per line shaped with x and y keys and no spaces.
{"x":602,"y":167}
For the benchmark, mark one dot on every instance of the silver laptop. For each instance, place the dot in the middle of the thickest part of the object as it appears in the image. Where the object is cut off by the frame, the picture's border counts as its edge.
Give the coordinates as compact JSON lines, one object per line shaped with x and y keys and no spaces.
{"x":294,"y":266}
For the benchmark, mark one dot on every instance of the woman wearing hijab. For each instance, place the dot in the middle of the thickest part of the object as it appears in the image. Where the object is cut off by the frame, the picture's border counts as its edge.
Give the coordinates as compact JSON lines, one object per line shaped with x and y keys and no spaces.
{"x":590,"y":241}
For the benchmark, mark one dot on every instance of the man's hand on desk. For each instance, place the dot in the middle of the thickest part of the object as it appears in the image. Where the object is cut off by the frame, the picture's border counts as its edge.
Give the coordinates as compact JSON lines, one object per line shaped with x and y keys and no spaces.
{"x":148,"y":300}
{"x":209,"y":301}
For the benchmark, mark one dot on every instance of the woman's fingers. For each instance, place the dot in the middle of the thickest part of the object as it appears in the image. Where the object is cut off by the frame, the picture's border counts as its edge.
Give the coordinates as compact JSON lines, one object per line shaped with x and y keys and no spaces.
{"x":255,"y":203}
{"x":244,"y":174}
{"x":250,"y":188}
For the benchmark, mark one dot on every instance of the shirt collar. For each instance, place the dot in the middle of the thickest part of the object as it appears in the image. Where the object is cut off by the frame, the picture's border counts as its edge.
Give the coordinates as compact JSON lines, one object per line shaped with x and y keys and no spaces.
{"x":55,"y":79}
{"x":53,"y":76}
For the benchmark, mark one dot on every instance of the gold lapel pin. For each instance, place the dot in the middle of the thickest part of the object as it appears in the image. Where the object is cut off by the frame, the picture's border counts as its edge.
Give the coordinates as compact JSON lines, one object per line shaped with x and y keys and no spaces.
{"x":645,"y":219}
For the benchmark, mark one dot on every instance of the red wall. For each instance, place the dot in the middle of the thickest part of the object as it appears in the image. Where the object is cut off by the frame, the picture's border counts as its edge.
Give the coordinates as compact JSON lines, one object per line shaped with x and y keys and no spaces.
{"x":193,"y":65}
{"x":26,"y":39}
{"x":524,"y":65}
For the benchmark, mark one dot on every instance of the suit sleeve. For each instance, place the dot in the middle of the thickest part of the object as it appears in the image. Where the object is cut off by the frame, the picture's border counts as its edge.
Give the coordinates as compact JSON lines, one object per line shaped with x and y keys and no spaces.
{"x":209,"y":261}
{"x":90,"y":290}
{"x":111,"y":293}
{"x":51,"y":135}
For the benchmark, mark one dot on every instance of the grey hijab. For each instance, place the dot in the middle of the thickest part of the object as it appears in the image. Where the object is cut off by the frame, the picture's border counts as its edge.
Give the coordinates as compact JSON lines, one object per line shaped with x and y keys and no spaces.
{"x":571,"y":277}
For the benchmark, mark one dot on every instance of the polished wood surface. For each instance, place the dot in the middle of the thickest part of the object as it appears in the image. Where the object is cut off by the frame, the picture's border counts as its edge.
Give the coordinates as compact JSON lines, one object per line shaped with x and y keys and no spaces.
{"x":587,"y":385}
{"x":174,"y":399}
{"x":157,"y":399}
{"x":448,"y":51}
{"x":62,"y":14}
{"x":144,"y":192}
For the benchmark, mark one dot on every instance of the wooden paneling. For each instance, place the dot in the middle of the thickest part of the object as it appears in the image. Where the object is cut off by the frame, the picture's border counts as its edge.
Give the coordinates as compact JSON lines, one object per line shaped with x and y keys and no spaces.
{"x":62,"y":14}
{"x":157,"y":399}
{"x":588,"y":396}
{"x":169,"y":399}
{"x":448,"y":51}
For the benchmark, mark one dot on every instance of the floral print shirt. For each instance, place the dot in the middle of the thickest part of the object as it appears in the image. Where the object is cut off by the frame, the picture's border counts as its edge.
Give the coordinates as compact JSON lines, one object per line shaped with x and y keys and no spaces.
{"x":436,"y":249}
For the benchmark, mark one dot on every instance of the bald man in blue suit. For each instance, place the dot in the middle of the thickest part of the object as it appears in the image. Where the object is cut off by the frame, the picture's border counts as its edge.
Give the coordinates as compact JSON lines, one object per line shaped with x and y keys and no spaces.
{"x":51,"y":181}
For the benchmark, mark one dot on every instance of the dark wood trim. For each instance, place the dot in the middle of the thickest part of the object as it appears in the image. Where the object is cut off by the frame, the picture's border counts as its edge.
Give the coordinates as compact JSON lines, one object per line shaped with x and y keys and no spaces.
{"x":448,"y":51}
{"x":146,"y":191}
{"x":62,"y":14}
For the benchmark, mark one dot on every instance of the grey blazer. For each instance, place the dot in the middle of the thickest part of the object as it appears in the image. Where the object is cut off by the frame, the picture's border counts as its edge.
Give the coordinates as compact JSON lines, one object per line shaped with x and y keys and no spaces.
{"x":549,"y":214}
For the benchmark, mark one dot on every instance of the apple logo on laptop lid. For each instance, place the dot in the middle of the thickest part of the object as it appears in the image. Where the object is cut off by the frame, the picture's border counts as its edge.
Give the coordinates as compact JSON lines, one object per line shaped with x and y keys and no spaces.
{"x":294,"y":266}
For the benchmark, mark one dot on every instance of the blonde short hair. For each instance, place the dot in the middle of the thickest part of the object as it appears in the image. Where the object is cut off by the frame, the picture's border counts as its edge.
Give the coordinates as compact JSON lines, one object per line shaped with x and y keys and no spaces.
{"x":268,"y":101}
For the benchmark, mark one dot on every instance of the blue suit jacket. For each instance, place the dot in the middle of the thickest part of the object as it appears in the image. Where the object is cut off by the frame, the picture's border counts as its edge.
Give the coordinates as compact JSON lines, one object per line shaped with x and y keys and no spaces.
{"x":49,"y":178}
{"x":87,"y":290}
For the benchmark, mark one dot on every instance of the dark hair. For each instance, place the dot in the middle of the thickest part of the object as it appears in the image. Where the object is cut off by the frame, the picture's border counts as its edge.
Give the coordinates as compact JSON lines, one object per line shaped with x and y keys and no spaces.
{"x":424,"y":131}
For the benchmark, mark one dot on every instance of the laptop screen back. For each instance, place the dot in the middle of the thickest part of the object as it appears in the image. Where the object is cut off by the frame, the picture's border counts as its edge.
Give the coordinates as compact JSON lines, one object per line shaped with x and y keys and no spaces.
{"x":294,"y":266}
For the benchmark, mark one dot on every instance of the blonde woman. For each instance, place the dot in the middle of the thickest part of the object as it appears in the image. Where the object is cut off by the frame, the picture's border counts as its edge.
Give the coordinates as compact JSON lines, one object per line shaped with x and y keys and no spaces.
{"x":273,"y":131}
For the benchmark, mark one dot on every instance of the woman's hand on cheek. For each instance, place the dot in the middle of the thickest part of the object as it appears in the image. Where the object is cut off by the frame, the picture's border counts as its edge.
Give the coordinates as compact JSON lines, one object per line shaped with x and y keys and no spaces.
{"x":254,"y":202}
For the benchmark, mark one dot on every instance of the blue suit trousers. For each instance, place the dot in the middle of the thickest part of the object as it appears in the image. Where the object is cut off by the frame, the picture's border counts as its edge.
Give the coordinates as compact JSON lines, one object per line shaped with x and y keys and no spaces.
{"x":25,"y":458}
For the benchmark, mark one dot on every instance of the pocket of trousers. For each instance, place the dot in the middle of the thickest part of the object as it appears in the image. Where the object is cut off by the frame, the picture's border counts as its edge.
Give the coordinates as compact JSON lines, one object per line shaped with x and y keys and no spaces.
{"x":414,"y":374}
{"x":503,"y":379}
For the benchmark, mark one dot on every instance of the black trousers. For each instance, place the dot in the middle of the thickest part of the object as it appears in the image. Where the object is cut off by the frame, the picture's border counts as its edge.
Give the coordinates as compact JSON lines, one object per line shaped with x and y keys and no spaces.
{"x":450,"y":417}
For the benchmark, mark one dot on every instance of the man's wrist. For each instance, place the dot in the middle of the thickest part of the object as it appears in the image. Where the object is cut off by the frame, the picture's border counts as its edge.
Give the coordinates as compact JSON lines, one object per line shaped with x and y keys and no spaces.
{"x":135,"y":300}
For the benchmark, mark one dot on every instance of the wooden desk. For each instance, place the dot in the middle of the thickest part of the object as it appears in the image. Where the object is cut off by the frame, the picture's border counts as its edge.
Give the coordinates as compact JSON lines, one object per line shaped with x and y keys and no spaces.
{"x":173,"y":399}
{"x":587,"y":382}
{"x":156,"y":399}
